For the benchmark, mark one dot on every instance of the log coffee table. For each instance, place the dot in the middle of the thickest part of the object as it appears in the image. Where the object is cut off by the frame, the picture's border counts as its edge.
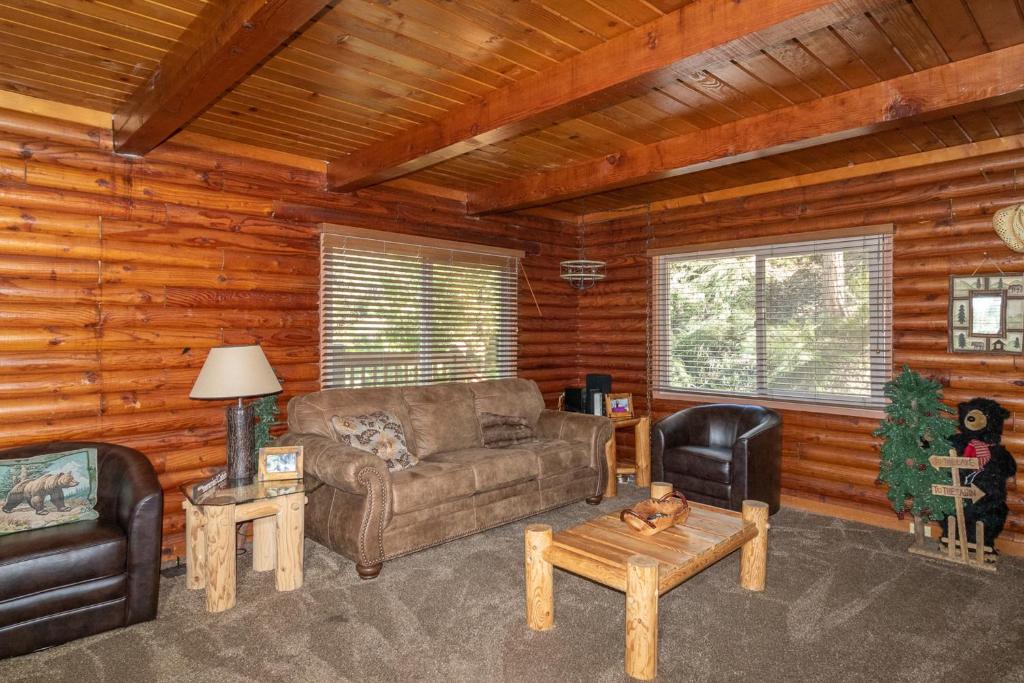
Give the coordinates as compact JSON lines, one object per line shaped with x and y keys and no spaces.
{"x":607,"y":551}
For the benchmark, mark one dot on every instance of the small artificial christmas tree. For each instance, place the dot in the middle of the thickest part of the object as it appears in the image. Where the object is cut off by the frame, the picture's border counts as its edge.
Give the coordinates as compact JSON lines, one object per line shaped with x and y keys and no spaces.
{"x":914,"y":430}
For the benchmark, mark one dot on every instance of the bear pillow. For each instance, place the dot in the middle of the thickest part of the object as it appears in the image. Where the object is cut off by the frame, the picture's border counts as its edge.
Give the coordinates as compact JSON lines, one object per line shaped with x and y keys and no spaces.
{"x":47,"y":490}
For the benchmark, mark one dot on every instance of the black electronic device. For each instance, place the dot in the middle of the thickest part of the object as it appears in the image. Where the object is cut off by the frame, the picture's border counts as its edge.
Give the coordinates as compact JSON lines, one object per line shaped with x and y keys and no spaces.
{"x":598,"y":386}
{"x":576,"y":400}
{"x":602,"y":383}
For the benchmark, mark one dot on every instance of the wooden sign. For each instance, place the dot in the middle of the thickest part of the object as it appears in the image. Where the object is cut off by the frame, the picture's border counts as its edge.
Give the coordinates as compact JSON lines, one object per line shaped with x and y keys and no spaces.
{"x":958,"y":549}
{"x":939,"y":461}
{"x":972,"y":491}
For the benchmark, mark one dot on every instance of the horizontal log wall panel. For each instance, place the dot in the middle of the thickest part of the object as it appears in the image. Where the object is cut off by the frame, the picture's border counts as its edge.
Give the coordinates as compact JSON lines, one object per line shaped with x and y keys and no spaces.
{"x":943,"y":219}
{"x":117,"y":275}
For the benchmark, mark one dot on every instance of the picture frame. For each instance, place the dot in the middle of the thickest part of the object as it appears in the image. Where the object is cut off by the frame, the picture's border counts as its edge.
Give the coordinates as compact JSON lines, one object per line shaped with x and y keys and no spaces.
{"x":280,"y":463}
{"x":986,"y":313}
{"x":618,"y":406}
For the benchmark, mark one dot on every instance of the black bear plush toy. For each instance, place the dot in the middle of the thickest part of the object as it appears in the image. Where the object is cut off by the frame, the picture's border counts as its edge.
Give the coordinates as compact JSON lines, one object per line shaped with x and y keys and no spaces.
{"x":981,"y":430}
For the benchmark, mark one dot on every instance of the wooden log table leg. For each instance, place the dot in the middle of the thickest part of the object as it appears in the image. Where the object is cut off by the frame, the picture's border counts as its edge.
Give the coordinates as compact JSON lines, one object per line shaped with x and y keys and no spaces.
{"x":540,"y":599}
{"x":195,"y":547}
{"x":642,"y":617}
{"x":611,"y":458}
{"x":264,"y":544}
{"x":220,"y":557}
{"x":754,"y":553}
{"x":290,"y":530}
{"x":660,"y":489}
{"x":642,"y":440}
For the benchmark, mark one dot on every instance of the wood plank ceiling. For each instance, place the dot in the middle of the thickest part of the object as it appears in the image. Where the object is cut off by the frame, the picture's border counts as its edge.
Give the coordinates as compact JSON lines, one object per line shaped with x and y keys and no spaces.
{"x":367,"y":70}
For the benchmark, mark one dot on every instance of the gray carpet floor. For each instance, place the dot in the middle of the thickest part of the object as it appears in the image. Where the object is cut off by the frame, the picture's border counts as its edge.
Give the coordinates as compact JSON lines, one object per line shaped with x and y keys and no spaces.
{"x":844,"y":602}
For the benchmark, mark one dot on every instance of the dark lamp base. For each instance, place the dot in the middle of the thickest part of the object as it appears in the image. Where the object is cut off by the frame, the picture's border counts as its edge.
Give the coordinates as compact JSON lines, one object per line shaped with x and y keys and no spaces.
{"x":241,"y":463}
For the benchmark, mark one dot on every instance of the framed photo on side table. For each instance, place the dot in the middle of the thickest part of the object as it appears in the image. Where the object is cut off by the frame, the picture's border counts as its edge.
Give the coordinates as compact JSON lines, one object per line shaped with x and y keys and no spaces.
{"x":618,"y":406}
{"x":280,"y":462}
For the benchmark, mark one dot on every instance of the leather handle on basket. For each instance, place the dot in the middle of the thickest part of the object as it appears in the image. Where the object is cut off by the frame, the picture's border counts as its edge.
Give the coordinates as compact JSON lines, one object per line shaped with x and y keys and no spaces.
{"x":674,"y":494}
{"x":634,"y":513}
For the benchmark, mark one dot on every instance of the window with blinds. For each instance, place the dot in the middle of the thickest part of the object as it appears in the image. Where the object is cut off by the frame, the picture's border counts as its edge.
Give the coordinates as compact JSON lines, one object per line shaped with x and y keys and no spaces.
{"x":805,"y":321}
{"x":398,"y":310}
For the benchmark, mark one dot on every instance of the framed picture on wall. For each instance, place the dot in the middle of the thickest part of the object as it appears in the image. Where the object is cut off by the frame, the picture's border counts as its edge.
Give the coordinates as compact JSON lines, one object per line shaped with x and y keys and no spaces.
{"x":986,"y":313}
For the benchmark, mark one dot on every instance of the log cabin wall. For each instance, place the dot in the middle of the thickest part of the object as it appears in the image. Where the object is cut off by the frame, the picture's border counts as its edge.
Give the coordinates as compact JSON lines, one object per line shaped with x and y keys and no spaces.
{"x":942,"y":214}
{"x":118,"y":274}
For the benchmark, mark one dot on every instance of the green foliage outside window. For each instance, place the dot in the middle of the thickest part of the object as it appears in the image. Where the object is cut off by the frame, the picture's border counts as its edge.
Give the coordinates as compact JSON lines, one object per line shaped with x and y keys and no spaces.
{"x":418,"y":321}
{"x":815,"y":322}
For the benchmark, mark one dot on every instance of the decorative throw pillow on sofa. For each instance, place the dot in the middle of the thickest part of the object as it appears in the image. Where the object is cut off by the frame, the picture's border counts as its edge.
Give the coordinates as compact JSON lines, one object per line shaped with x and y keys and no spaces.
{"x":379,"y":433}
{"x":47,"y":490}
{"x":505,"y":430}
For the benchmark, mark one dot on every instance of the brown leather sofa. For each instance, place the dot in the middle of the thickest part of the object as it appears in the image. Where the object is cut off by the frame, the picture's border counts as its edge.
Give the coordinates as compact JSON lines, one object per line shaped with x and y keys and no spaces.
{"x":66,"y":582}
{"x":370,"y":514}
{"x":721,"y":454}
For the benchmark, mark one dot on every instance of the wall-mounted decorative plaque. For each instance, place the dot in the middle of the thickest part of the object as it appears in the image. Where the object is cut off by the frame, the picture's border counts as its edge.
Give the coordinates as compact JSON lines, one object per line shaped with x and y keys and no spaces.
{"x":986,"y":313}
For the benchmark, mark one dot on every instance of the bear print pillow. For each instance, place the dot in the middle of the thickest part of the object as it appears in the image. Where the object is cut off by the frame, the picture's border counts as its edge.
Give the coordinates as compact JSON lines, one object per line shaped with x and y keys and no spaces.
{"x":47,"y":490}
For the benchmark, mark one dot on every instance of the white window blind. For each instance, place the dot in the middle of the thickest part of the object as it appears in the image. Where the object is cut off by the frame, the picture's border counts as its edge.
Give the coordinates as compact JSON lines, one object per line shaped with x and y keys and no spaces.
{"x":395,"y":310}
{"x":805,"y":321}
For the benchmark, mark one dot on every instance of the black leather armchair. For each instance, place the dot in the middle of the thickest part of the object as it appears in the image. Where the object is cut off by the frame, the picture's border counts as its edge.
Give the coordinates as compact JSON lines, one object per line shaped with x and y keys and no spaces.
{"x":66,"y":582}
{"x":720,"y":454}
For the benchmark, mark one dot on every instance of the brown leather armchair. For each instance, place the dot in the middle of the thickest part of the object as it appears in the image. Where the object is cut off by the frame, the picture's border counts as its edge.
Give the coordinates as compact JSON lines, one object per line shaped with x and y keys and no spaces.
{"x":74,"y":580}
{"x":720,"y":454}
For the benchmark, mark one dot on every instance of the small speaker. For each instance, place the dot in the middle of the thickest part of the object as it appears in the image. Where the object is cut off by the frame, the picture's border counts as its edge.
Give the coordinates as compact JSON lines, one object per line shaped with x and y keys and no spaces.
{"x":575,"y":400}
{"x":602,"y":383}
{"x":598,"y":386}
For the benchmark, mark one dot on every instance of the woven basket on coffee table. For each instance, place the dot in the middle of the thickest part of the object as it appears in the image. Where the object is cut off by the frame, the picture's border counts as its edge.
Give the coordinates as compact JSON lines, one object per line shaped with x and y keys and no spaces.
{"x":648,"y":517}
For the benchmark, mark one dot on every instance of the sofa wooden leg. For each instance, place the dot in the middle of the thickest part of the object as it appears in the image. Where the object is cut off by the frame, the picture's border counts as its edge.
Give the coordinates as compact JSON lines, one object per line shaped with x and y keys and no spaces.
{"x":370,"y":572}
{"x":594,"y":500}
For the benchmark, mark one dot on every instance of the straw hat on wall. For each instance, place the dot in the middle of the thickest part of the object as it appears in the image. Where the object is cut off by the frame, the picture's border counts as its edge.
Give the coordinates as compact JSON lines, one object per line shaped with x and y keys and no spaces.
{"x":1009,"y":225}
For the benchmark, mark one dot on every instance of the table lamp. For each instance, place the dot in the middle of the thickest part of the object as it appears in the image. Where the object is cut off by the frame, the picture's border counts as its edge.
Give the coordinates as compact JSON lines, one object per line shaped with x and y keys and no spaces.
{"x":237,"y":372}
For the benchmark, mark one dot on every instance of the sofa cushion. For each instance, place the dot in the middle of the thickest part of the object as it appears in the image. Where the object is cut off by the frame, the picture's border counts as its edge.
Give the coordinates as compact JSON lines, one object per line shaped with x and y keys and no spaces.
{"x":494,"y":468}
{"x":710,"y":463}
{"x":429,"y":484}
{"x":47,"y":490}
{"x":44,"y":559}
{"x":500,"y":431}
{"x":555,"y":457}
{"x":379,"y":433}
{"x":513,"y":396}
{"x":443,"y":418}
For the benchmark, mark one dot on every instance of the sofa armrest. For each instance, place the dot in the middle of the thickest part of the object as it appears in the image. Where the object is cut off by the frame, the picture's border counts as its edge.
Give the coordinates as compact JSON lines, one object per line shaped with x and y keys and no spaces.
{"x":757,"y":462}
{"x":593,"y":430}
{"x":667,"y":433}
{"x":345,"y":468}
{"x":129,"y":494}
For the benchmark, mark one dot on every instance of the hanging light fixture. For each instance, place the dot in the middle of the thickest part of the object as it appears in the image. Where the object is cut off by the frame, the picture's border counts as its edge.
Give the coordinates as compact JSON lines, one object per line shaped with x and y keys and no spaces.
{"x":583,"y":273}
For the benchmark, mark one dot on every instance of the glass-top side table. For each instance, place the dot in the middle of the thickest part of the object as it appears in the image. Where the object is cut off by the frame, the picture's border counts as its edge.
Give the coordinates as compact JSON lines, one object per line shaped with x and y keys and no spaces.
{"x":276,"y":509}
{"x":246,"y":493}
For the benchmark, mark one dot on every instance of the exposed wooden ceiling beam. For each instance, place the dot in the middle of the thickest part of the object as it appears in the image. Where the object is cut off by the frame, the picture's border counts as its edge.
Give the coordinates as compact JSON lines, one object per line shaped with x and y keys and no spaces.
{"x":983,"y":80}
{"x":858,"y":170}
{"x":221,"y":46}
{"x":687,"y":40}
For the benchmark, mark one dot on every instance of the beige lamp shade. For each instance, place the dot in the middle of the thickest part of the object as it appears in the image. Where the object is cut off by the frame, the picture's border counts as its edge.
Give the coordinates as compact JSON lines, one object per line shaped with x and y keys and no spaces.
{"x":235,"y":372}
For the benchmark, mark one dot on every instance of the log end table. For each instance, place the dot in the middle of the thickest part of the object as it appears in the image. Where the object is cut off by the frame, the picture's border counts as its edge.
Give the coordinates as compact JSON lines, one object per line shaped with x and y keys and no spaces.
{"x":277,"y":511}
{"x":607,"y":551}
{"x":641,"y":425}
